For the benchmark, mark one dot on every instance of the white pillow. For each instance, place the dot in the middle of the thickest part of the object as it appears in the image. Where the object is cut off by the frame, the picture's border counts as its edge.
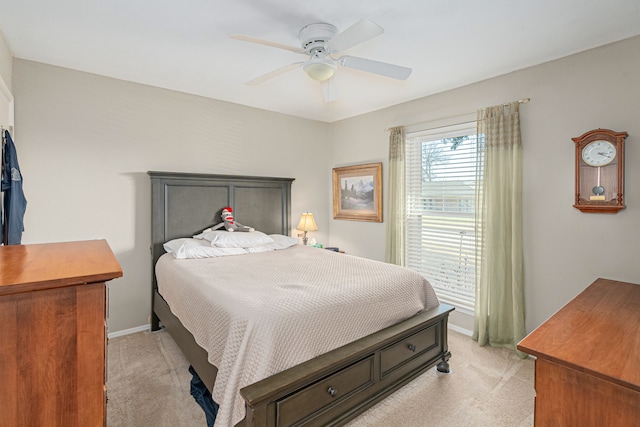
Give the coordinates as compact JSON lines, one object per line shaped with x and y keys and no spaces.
{"x":284,"y":241}
{"x":279,"y":242}
{"x":186,"y":248}
{"x":235,"y":239}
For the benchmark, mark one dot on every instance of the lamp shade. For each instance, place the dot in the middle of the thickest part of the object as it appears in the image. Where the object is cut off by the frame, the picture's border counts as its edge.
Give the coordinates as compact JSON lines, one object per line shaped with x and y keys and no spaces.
{"x":307,"y":222}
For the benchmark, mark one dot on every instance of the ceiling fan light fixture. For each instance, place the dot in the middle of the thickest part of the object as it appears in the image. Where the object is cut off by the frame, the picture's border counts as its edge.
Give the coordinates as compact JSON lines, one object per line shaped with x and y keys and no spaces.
{"x":322,"y":43}
{"x":320,"y":69}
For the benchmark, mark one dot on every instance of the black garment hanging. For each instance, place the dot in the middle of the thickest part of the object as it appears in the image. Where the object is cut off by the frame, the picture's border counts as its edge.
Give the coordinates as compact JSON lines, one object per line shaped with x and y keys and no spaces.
{"x":14,"y":203}
{"x":3,"y":223}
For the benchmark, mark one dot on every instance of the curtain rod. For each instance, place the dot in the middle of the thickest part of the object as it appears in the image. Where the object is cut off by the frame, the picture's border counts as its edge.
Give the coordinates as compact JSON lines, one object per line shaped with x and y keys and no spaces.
{"x":521,"y":101}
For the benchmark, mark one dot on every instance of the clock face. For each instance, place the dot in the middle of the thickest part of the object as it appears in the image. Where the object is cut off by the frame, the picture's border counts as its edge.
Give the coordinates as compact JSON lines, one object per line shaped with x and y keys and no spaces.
{"x":598,"y":153}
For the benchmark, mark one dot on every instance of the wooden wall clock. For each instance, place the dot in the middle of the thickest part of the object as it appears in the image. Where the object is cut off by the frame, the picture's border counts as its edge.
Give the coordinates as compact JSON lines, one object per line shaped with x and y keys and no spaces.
{"x":600,"y":171}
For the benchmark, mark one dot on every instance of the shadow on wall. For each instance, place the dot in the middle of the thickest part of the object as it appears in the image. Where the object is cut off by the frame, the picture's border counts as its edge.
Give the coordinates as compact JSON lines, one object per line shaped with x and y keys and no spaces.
{"x":130,"y":296}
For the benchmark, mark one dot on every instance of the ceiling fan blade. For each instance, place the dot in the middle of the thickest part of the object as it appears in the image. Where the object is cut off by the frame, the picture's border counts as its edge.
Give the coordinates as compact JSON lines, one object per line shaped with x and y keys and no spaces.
{"x":375,"y":67}
{"x":251,"y":39}
{"x":274,"y":73}
{"x":329,"y":89}
{"x":359,"y":32}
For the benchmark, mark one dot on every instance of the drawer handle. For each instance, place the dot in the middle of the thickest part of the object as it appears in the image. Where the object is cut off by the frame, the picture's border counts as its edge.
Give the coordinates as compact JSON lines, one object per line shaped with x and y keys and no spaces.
{"x":332,"y":391}
{"x":412,"y":347}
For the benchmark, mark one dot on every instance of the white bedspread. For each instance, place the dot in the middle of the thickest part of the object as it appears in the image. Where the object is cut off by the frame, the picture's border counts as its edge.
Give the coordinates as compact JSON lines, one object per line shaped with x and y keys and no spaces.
{"x":259,"y":314}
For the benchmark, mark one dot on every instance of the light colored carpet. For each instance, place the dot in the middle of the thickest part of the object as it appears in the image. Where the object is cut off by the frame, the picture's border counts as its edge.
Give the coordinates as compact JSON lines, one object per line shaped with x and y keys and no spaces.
{"x":487,"y":387}
{"x":148,"y":385}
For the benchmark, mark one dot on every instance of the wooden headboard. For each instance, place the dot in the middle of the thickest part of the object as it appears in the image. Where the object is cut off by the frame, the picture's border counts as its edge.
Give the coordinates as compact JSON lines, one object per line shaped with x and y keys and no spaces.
{"x":183,"y":204}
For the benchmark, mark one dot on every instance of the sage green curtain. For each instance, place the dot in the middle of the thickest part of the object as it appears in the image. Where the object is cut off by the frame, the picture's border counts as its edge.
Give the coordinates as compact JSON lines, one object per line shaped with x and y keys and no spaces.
{"x":396,"y":211}
{"x":499,"y":307}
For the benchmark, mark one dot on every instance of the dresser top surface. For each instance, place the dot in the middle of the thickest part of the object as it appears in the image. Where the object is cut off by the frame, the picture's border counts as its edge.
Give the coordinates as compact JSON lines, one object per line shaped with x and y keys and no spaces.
{"x":39,"y":266}
{"x":598,"y":331}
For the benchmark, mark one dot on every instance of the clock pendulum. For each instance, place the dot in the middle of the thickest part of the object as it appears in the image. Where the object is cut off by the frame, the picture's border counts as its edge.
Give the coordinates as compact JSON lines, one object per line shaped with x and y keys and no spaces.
{"x":598,"y":190}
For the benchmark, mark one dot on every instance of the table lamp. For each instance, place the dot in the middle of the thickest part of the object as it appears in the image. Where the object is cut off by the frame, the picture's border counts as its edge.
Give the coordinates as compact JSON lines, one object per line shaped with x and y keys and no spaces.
{"x":307,"y":223}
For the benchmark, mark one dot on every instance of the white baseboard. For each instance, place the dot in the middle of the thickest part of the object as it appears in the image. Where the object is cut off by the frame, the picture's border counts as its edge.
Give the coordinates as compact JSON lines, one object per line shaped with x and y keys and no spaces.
{"x":124,"y":332}
{"x":460,"y":330}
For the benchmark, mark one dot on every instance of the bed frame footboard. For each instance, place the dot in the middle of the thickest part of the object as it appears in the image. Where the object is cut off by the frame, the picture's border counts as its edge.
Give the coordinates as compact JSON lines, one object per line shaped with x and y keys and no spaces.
{"x":334,"y":388}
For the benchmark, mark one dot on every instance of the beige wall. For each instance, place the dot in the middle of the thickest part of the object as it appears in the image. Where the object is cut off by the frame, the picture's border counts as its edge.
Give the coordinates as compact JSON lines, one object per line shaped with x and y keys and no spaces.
{"x":6,"y":62}
{"x":565,"y":250}
{"x":6,"y":96}
{"x":85,"y":143}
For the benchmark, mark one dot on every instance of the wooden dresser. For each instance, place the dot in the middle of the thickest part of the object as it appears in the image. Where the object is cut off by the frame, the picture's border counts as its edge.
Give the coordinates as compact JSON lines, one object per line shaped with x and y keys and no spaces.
{"x":53,"y":310}
{"x":588,"y":359}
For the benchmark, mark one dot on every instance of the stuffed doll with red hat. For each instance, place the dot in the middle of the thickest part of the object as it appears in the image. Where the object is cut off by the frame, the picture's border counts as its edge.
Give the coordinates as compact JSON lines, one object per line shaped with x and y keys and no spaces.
{"x":229,"y":223}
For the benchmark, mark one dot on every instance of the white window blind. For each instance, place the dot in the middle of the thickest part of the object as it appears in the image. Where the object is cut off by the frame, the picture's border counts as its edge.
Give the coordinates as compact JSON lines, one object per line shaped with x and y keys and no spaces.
{"x":441,"y":190}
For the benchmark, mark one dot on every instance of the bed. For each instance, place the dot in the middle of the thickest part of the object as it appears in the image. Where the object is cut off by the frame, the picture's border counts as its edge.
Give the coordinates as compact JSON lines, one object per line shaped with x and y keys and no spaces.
{"x":326,"y":389}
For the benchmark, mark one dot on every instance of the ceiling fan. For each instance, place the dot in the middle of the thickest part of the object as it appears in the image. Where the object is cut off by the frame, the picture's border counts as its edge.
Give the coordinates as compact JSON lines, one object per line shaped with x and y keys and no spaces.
{"x":320,"y":42}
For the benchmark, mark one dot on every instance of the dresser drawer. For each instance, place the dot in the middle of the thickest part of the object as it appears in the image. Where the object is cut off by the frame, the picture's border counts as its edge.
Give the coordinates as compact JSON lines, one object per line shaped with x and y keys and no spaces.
{"x":410,"y":347}
{"x":324,"y":393}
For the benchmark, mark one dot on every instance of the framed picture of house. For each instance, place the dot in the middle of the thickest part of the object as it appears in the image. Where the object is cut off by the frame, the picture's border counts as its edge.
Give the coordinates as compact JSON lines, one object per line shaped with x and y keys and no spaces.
{"x":357,"y":192}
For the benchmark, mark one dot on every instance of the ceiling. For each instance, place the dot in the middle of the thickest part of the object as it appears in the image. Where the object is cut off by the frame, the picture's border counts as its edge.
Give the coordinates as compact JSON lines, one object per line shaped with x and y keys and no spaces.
{"x":186,"y":46}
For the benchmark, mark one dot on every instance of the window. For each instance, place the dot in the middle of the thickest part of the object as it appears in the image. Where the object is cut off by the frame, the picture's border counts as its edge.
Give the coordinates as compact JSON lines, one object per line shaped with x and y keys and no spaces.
{"x":441,"y":182}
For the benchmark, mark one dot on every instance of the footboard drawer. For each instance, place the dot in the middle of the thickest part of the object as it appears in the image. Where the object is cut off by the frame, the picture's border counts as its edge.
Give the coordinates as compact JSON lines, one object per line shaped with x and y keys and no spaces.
{"x":397,"y":354}
{"x":325,"y":393}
